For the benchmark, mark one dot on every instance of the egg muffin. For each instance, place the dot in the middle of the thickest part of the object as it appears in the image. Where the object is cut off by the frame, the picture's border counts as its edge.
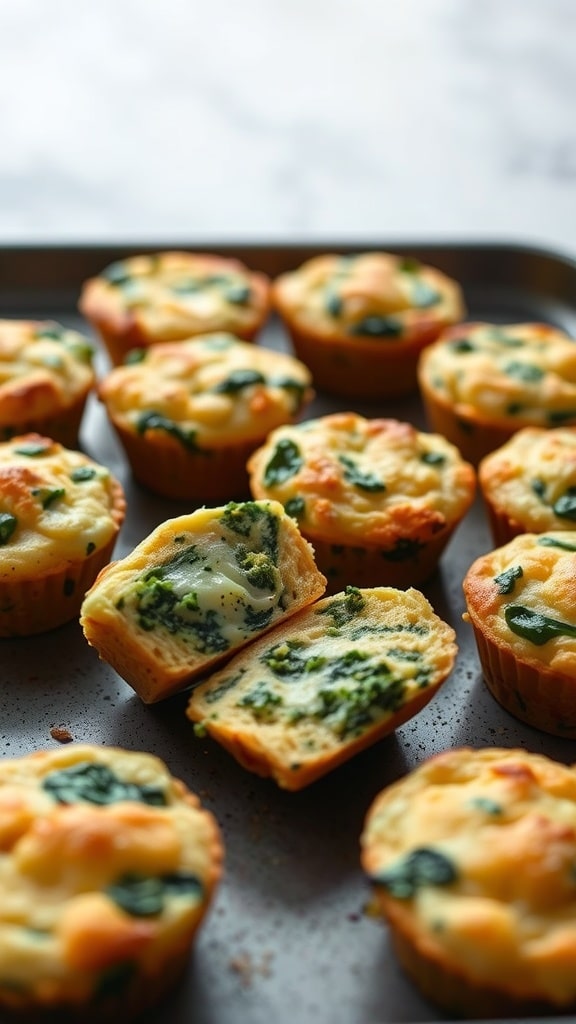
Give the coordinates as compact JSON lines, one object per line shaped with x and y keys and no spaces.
{"x":377,"y":499}
{"x":60,"y":514}
{"x":471,"y":856}
{"x":520,"y":603}
{"x":197,"y":589}
{"x":359,"y":321}
{"x":189,"y":413}
{"x":481,"y":382}
{"x":108,"y":865}
{"x":46,"y":376}
{"x":529,"y":484}
{"x":169,"y":296}
{"x":335,"y":678}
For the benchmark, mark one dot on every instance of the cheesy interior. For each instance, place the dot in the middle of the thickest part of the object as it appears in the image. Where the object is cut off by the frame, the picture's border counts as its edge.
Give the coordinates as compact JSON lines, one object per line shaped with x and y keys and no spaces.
{"x":56,"y":506}
{"x":524,"y":373}
{"x":214,"y":389}
{"x":477,"y":849}
{"x":377,"y":482}
{"x":204,"y":582}
{"x":522,"y":595}
{"x":340,"y":669}
{"x":370,"y":295}
{"x":44,"y":367}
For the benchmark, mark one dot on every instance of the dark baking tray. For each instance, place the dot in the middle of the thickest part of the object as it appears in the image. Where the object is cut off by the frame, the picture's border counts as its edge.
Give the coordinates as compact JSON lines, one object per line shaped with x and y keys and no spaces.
{"x":288,"y":938}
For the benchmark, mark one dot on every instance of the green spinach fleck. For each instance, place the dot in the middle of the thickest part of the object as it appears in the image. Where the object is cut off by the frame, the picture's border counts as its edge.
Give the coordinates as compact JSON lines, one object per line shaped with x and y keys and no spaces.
{"x":238,"y":380}
{"x":506,"y":581}
{"x":93,"y":783}
{"x":354,"y":475}
{"x":151,"y":420}
{"x":285,"y":462}
{"x":375,"y":326}
{"x":145,"y":896}
{"x":8,"y":524}
{"x":421,"y":867}
{"x":553,"y":542}
{"x":533,"y":626}
{"x":82,"y":473}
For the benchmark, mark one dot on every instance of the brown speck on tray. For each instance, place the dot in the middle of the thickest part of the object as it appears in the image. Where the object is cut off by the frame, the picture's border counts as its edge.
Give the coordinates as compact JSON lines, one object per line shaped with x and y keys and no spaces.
{"x":61,"y":734}
{"x":246,"y":967}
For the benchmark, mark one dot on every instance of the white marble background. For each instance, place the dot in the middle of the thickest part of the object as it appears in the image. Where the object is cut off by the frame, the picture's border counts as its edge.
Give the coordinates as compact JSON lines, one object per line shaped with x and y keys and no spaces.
{"x":261,"y":120}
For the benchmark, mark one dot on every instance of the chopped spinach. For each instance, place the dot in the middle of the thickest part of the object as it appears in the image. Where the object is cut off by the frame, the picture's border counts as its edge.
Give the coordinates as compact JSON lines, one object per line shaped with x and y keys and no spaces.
{"x":247,"y":516}
{"x":145,"y":896}
{"x":155,"y":421}
{"x":295,"y":507}
{"x":261,"y":701}
{"x":334,"y":303}
{"x":342,"y":609}
{"x":260,"y":570}
{"x":433,"y":458}
{"x":375,"y":326}
{"x":93,"y":783}
{"x":553,"y":542}
{"x":285,"y":462}
{"x":421,"y":867}
{"x":33,"y":449}
{"x":238,"y":294}
{"x":526,"y":372}
{"x":484,"y":803}
{"x":8,"y":524}
{"x":506,"y":581}
{"x":403,"y":550}
{"x":48,"y":495}
{"x":117,"y":273}
{"x":423,"y":295}
{"x":565,"y":507}
{"x":82,"y":473}
{"x":533,"y":626}
{"x":462,"y":346}
{"x":356,"y":476}
{"x":238,"y":380}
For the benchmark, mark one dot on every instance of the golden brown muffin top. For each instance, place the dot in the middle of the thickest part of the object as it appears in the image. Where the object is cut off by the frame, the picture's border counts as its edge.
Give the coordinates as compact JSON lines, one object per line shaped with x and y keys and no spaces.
{"x":532,"y":478}
{"x":374,"y":295}
{"x":521,"y":596}
{"x":168,"y":296}
{"x":44,"y":369}
{"x":351,"y":479}
{"x":103,"y":855}
{"x":56,"y":506}
{"x":213,"y":389}
{"x":472,"y":855}
{"x":511,"y":374}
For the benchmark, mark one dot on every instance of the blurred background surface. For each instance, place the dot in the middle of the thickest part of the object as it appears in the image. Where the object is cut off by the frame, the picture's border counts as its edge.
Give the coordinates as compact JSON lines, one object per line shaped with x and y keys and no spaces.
{"x":274,"y":120}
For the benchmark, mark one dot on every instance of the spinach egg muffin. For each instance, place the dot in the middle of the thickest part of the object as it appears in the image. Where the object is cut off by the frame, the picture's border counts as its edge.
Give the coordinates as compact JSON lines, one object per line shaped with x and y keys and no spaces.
{"x":520,"y":603}
{"x":169,"y":296}
{"x":359,"y":321}
{"x":197,"y":589}
{"x":108,"y":865}
{"x":189,"y":413}
{"x":378,"y":499}
{"x":471,"y":856}
{"x":481,"y":382}
{"x":529,"y":484}
{"x":46,"y":375}
{"x":60,"y":515}
{"x":335,"y":678}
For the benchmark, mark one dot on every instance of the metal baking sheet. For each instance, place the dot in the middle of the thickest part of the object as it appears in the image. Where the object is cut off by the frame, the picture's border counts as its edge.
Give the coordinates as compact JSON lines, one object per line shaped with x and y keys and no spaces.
{"x":288,"y":938}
